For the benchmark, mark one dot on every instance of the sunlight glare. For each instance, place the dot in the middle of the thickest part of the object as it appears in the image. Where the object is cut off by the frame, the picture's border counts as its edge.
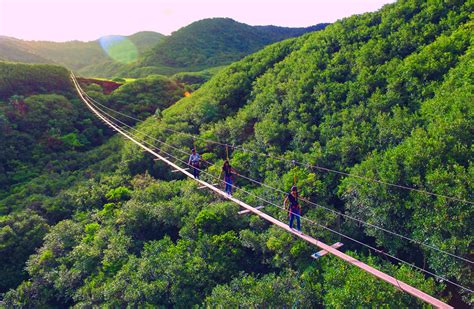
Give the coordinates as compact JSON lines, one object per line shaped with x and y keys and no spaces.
{"x":119,"y":48}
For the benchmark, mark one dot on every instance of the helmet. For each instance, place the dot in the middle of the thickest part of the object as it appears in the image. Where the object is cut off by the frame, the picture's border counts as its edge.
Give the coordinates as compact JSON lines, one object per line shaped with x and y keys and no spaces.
{"x":294,"y":188}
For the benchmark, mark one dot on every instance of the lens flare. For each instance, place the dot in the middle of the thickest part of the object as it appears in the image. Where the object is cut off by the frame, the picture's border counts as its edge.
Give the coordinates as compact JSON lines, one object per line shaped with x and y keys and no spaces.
{"x":119,"y":48}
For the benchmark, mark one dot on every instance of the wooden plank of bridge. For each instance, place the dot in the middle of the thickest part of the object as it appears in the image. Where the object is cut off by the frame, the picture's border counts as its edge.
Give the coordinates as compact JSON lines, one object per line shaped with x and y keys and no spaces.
{"x":242,"y":212}
{"x":202,"y":187}
{"x":157,"y":159}
{"x":375,"y":272}
{"x":322,"y":253}
{"x":176,"y":170}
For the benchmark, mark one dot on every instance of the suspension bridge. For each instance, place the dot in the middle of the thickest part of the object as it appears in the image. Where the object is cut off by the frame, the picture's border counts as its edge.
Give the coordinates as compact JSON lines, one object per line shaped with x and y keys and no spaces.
{"x":326,"y":249}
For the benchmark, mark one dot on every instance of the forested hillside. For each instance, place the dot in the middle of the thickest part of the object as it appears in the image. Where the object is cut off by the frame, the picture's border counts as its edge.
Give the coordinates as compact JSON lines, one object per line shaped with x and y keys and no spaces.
{"x":50,"y":145}
{"x":216,"y":41}
{"x":42,"y":119}
{"x":383,"y":96}
{"x":211,"y":43}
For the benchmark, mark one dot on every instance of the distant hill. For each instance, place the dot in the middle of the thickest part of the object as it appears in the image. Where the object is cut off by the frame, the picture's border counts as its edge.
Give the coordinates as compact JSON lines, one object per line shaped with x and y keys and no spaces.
{"x":15,"y":50}
{"x":214,"y":42}
{"x":74,"y":55}
{"x":201,"y":45}
{"x":145,"y":40}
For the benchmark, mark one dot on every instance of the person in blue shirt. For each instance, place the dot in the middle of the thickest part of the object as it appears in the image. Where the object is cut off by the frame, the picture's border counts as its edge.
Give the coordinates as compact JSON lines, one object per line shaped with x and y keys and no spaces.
{"x":194,"y":162}
{"x":294,"y":209}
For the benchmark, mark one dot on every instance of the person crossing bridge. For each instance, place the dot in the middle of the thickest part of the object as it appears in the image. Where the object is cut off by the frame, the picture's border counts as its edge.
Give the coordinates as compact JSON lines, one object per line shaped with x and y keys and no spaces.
{"x":194,"y":161}
{"x":294,"y":209}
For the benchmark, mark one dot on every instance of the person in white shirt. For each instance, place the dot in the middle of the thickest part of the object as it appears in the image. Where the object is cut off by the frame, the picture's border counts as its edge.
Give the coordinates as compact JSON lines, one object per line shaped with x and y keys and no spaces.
{"x":194,"y":160}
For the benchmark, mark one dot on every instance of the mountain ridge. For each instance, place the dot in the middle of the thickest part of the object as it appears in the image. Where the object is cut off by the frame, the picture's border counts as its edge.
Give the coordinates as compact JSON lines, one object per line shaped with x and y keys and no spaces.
{"x":73,"y":54}
{"x":214,"y":42}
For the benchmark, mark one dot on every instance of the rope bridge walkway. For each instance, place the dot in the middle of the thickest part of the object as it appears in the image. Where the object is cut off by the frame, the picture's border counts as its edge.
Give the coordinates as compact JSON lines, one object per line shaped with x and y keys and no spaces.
{"x":325,"y":248}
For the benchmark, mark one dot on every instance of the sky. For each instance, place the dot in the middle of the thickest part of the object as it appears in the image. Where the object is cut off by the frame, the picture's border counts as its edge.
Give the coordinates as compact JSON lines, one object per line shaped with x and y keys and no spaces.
{"x":86,"y":20}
